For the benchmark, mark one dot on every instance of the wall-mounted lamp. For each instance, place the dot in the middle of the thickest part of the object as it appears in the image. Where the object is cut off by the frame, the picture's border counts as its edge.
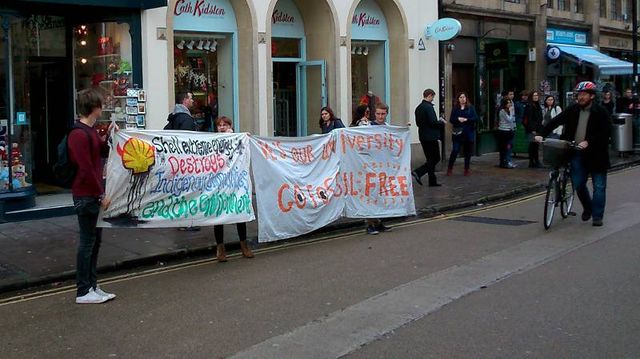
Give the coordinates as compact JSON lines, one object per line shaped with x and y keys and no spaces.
{"x":450,"y":47}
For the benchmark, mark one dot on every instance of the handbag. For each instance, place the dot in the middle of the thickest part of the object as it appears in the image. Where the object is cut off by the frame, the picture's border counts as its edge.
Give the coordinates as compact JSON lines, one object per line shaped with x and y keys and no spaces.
{"x":456,"y":131}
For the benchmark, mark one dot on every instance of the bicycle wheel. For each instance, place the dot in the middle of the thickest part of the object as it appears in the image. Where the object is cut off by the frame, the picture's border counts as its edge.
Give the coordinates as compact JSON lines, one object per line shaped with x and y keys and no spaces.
{"x":567,"y":196}
{"x":550,"y":201}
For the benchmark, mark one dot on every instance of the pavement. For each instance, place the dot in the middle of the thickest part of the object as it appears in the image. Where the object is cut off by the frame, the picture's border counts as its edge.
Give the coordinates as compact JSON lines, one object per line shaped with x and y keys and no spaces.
{"x":42,"y":251}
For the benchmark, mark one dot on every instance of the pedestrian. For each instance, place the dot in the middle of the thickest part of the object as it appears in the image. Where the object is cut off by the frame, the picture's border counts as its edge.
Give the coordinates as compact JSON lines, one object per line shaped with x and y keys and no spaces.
{"x":375,"y":225}
{"x":508,"y":94}
{"x":625,"y":103}
{"x":607,"y":102}
{"x":463,"y":118}
{"x":86,"y":152}
{"x":549,"y":111}
{"x":429,"y":131}
{"x":532,"y":124}
{"x":589,"y":125}
{"x":180,"y":118}
{"x":521,"y":106}
{"x":361,"y":117}
{"x":225,"y":125}
{"x":328,"y":121}
{"x":506,"y":131}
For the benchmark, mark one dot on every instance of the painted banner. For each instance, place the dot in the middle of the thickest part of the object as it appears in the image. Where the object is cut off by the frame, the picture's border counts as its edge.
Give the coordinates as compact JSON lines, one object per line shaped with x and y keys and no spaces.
{"x":303,"y":184}
{"x":296,"y":185}
{"x":177,"y":179}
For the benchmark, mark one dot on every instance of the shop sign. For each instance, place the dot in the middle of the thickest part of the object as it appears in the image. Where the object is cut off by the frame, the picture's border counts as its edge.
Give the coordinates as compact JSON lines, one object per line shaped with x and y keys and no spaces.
{"x":444,"y":29}
{"x":497,"y":55}
{"x":204,"y":15}
{"x":568,"y":37}
{"x":198,"y":8}
{"x":368,"y":22}
{"x":21,"y":118}
{"x":286,"y":20}
{"x":553,"y":53}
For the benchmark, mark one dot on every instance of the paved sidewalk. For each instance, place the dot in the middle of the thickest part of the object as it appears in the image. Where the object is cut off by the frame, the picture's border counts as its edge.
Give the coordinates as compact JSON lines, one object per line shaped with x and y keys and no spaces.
{"x":43,"y":251}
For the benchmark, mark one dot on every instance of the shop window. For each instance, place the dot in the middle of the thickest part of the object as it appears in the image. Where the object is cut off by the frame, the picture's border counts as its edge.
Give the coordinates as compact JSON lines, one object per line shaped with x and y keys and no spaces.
{"x":102,"y":59}
{"x":285,"y":48}
{"x":203,"y":66}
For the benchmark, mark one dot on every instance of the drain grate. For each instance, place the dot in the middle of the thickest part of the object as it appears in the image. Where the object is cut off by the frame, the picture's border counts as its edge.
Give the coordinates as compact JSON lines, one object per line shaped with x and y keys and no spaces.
{"x":495,"y":221}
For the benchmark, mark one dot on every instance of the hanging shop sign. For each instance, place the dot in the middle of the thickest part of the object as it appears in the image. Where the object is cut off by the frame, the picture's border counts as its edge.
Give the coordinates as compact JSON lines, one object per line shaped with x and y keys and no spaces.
{"x":568,"y":37}
{"x":553,"y":53}
{"x":444,"y":29}
{"x":286,"y":20}
{"x":204,"y":15}
{"x":368,"y":22}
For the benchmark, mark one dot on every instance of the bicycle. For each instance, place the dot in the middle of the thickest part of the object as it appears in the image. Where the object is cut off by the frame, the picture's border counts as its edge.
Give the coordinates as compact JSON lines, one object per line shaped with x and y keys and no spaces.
{"x":560,"y":192}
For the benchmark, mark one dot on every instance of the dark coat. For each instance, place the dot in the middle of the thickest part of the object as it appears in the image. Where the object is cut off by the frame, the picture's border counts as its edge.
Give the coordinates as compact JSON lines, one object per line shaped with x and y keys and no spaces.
{"x":337,"y":123}
{"x":469,"y":126}
{"x":596,"y":154}
{"x":180,"y":121}
{"x":429,"y":128}
{"x":533,"y":117}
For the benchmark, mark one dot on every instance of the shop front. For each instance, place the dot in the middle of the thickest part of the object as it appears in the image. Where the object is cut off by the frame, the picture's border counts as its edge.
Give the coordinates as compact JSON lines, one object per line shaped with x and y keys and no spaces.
{"x":48,"y":53}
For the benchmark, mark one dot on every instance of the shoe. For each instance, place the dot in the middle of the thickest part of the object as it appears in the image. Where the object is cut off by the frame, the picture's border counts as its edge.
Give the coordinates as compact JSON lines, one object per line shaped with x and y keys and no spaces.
{"x":382,"y":228}
{"x":102,"y":293}
{"x":415,"y":176}
{"x":221,"y":254}
{"x":246,"y":251}
{"x":586,"y":215}
{"x":467,"y":172}
{"x":435,"y":184}
{"x":449,"y":171}
{"x":597,"y":222}
{"x":372,"y":230}
{"x":91,"y":298}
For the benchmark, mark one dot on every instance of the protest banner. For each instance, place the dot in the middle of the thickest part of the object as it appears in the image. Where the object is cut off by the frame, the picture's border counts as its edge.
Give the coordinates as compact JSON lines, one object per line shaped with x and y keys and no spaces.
{"x":177,"y":179}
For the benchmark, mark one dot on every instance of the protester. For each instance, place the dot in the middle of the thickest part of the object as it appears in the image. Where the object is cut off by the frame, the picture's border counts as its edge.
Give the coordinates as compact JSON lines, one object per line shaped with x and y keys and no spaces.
{"x":625,"y":103}
{"x":506,"y":130}
{"x":463,"y":118}
{"x":589,"y":125}
{"x":361,"y":117}
{"x":328,"y":121}
{"x":86,"y":151}
{"x":374,"y":226}
{"x":180,"y":118}
{"x":429,"y":132}
{"x":549,"y":111}
{"x":607,"y":102}
{"x":533,"y":123}
{"x":225,"y":125}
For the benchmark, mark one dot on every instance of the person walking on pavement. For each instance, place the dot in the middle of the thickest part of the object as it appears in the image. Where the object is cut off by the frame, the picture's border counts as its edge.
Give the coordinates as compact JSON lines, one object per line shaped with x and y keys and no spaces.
{"x":328,"y":120}
{"x":429,"y":130}
{"x":373,"y":226}
{"x":180,"y":118}
{"x":589,"y":125}
{"x":506,"y":130}
{"x":225,"y":125}
{"x":533,"y":123}
{"x":86,"y":151}
{"x":463,"y":118}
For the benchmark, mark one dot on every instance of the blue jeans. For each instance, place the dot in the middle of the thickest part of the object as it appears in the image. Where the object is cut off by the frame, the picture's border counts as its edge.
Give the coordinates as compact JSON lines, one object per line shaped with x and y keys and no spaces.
{"x":458,"y":143}
{"x":87,"y":209}
{"x":579,"y":176}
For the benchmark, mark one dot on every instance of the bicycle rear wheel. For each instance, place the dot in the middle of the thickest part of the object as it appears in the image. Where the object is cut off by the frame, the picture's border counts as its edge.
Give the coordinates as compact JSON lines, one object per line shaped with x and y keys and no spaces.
{"x":567,"y":196}
{"x":550,"y":202}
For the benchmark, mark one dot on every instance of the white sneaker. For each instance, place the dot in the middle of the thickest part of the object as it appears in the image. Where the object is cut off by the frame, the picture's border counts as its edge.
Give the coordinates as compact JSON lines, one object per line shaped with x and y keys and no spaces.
{"x":102,"y":293}
{"x":91,"y":298}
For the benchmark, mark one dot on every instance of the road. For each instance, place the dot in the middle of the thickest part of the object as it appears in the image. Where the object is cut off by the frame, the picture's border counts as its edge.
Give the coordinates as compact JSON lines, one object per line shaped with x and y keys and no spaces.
{"x":486,"y":283}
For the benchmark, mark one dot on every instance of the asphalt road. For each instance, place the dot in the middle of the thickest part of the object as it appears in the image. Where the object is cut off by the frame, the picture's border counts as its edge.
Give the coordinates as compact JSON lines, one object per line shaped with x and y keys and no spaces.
{"x":488,"y":283}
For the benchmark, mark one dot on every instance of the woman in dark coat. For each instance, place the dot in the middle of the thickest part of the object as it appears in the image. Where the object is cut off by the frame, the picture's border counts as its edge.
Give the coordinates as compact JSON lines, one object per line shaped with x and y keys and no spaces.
{"x":533,"y":124}
{"x":463,"y":119}
{"x":328,"y":120}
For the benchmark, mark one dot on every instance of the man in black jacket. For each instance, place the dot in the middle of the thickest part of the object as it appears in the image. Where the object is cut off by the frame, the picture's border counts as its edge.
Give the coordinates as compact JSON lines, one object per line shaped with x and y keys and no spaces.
{"x":429,"y":129}
{"x":589,"y":125}
{"x":180,"y":118}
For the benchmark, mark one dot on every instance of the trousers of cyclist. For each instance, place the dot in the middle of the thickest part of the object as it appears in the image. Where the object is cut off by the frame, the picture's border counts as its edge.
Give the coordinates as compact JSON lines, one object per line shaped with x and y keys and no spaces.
{"x":589,"y":125}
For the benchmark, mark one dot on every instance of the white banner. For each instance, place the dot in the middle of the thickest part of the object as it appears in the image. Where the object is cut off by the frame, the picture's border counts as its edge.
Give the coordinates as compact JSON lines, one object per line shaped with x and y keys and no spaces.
{"x":295,"y":185}
{"x":177,"y":179}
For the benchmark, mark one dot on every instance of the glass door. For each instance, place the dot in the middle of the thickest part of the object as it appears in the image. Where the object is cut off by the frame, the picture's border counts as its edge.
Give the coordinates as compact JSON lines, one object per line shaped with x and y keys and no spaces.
{"x":312,"y":95}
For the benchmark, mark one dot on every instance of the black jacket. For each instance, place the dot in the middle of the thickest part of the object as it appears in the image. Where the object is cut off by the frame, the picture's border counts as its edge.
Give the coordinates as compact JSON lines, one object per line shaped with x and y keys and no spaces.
{"x":180,"y":121}
{"x":429,"y":128}
{"x":598,"y":132}
{"x":533,"y":117}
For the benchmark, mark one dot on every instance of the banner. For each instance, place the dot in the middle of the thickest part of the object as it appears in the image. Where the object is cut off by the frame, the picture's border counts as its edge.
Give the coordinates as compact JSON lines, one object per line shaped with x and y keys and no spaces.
{"x":295,"y":185}
{"x":177,"y":179}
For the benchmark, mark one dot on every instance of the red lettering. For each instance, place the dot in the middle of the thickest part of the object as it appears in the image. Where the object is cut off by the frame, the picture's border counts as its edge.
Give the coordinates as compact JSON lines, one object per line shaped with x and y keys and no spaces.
{"x":281,"y":205}
{"x":404,"y":188}
{"x":369,"y":185}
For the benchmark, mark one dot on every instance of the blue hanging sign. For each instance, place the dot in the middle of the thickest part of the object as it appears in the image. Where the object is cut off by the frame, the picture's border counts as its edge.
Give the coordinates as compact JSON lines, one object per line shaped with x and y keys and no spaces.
{"x":204,"y":16}
{"x":368,"y":22}
{"x":444,"y":29}
{"x":568,"y":37}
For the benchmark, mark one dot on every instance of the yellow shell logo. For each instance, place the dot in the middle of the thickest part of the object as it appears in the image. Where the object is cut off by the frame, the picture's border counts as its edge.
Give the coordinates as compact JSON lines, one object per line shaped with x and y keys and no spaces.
{"x":137,"y":155}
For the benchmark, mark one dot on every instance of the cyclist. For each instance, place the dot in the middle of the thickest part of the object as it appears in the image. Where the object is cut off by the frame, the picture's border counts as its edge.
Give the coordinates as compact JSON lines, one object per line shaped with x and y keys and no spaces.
{"x":589,"y":125}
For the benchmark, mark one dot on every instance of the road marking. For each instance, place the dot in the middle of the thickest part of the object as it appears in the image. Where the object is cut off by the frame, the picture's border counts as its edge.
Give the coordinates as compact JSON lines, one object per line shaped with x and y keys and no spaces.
{"x":344,"y":331}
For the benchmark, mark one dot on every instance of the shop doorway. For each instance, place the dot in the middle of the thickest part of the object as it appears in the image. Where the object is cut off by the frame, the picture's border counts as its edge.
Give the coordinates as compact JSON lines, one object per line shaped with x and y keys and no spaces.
{"x":51,"y":117}
{"x":285,"y":109}
{"x":368,"y":73}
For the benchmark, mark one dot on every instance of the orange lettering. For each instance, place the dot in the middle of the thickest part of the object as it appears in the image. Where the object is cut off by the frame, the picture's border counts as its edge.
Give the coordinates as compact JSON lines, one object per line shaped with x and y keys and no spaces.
{"x":280,"y":204}
{"x":368,"y":184}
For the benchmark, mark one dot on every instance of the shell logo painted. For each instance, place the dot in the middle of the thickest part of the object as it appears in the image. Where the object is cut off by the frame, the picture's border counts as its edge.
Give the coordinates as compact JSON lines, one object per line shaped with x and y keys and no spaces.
{"x":137,"y":155}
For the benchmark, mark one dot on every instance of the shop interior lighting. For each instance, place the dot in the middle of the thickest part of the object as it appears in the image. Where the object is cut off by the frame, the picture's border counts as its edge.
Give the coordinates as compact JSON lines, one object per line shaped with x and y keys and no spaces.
{"x":83,"y":42}
{"x":207,"y":45}
{"x":353,"y":50}
{"x":190,"y":44}
{"x":83,"y":60}
{"x":181,"y":45}
{"x":214,"y":46}
{"x":200,"y":44}
{"x":359,"y":51}
{"x":365,"y":51}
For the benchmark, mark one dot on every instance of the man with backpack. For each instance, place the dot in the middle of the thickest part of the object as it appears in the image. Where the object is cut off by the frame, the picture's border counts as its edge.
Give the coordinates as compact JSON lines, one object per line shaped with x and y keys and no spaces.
{"x":180,"y":118}
{"x":86,"y":151}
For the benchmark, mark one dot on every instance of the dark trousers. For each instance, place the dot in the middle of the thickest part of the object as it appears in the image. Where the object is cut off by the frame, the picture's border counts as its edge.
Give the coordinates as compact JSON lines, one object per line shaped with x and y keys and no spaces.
{"x":505,"y":142}
{"x":87,"y":209}
{"x":534,"y":159}
{"x":579,"y":177}
{"x":218,"y":232}
{"x":431,"y":151}
{"x":461,"y":142}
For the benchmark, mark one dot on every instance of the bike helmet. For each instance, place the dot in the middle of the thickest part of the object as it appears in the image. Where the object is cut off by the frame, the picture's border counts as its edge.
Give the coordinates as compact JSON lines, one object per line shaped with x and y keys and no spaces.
{"x":586,"y":86}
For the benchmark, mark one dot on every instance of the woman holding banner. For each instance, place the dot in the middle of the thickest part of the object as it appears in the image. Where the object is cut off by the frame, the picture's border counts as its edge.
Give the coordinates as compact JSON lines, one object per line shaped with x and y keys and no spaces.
{"x":329,"y":121}
{"x":225,"y":125}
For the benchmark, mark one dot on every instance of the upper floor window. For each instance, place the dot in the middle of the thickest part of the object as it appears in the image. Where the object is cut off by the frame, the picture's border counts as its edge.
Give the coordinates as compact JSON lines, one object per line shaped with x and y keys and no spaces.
{"x":577,"y":6}
{"x":627,"y":11}
{"x":603,"y":8}
{"x":513,"y":1}
{"x":562,"y":5}
{"x":616,"y":10}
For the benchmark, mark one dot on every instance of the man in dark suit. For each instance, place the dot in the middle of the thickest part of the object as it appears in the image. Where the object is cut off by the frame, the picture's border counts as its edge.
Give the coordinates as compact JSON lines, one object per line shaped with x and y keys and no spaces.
{"x":589,"y":125}
{"x":429,"y":130}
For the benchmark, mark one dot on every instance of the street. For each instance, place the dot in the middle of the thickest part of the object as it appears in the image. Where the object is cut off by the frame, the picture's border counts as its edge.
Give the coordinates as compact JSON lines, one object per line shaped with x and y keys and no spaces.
{"x":485,"y":282}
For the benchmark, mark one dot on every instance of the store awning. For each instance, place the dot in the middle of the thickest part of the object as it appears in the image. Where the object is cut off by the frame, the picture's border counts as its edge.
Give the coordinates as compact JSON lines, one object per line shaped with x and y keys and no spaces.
{"x":131,"y":4}
{"x":605,"y":64}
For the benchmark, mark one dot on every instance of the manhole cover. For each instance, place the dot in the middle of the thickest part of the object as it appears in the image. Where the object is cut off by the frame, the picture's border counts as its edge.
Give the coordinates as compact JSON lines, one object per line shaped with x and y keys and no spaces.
{"x":495,"y":221}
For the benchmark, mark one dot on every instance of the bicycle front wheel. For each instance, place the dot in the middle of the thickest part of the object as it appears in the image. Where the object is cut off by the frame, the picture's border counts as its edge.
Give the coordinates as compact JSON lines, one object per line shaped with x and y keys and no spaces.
{"x":567,"y":196}
{"x":550,"y":202}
